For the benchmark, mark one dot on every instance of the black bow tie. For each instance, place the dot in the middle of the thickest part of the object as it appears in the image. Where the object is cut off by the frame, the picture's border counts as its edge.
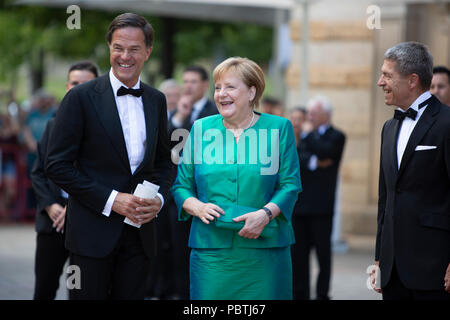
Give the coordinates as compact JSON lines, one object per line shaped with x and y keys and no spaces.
{"x":410,"y":113}
{"x":124,"y":91}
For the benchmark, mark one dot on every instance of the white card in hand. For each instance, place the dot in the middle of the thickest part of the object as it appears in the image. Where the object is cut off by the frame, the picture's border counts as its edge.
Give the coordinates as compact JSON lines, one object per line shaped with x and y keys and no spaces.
{"x":146,"y":190}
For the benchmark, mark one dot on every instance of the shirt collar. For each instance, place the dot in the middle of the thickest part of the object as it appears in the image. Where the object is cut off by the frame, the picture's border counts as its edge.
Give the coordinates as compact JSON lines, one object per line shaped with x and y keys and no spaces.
{"x":116,"y":83}
{"x":321,"y":130}
{"x":415,"y":105}
{"x":200,"y":103}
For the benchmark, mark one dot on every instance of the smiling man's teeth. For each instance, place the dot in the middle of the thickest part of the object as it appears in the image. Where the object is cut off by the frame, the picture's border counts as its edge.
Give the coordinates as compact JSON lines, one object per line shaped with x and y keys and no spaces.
{"x":125,"y":65}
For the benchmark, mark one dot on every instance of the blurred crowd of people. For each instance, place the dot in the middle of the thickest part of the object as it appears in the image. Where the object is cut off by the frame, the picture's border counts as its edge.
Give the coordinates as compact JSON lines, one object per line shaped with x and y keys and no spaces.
{"x":21,"y":127}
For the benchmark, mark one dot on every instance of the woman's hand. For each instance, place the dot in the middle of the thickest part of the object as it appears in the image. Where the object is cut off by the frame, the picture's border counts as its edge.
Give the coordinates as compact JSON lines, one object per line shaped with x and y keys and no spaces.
{"x":208,"y":211}
{"x":204,"y":211}
{"x":255,"y":222}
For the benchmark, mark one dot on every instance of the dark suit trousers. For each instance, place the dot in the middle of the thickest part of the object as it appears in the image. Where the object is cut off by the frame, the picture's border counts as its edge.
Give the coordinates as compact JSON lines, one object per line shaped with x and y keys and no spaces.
{"x":119,"y":276}
{"x":395,"y":290}
{"x":51,"y":255}
{"x":311,"y":232}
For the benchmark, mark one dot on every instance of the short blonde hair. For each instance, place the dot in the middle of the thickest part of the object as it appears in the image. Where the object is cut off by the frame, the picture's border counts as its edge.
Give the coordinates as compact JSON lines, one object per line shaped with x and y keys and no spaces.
{"x":247,"y":70}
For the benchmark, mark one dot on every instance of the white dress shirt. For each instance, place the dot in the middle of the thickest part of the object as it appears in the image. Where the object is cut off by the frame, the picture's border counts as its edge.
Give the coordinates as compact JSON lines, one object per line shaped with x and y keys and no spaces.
{"x":408,"y":125}
{"x":132,"y":119}
{"x":197,"y":108}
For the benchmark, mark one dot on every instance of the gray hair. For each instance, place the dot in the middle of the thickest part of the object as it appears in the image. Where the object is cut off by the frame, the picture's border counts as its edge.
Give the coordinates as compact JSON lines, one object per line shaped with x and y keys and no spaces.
{"x":167,"y":84}
{"x":323,"y":101}
{"x":412,"y":57}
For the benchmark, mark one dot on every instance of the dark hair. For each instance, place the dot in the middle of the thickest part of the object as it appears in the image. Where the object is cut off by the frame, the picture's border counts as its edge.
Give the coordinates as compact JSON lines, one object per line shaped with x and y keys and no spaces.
{"x":85,"y":65}
{"x":442,"y":69}
{"x":271,"y":100}
{"x":300,"y":109}
{"x":198,"y":69}
{"x":131,"y":20}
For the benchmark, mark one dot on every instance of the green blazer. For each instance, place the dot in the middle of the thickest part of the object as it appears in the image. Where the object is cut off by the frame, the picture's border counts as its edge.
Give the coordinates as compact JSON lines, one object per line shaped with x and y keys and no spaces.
{"x":262,"y":167}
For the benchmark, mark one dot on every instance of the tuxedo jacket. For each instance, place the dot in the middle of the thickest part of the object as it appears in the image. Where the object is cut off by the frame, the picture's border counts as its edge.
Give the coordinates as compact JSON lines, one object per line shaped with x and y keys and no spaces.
{"x":87,"y":157}
{"x":414,"y":201}
{"x":47,"y":192}
{"x":319,"y":186}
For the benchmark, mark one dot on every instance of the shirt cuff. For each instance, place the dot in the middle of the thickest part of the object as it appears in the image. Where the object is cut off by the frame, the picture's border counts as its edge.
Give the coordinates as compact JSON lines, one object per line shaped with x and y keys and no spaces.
{"x":159,"y":195}
{"x":109,"y":203}
{"x":312,"y":164}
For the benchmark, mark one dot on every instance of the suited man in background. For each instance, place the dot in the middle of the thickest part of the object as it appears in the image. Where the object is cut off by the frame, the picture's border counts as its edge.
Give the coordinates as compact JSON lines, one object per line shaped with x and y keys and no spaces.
{"x":195,"y":85}
{"x":440,"y":84}
{"x":110,"y":134}
{"x":320,"y":151}
{"x":413,"y":237}
{"x":51,"y":253}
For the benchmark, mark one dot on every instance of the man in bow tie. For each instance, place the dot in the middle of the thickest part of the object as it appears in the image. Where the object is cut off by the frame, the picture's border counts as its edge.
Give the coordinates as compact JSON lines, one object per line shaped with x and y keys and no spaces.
{"x":413,"y":238}
{"x":109,"y":135}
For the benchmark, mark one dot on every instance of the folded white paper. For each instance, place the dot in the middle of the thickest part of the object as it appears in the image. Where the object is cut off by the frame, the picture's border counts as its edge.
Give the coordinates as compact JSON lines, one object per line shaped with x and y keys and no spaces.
{"x":146,"y":190}
{"x":421,"y":148}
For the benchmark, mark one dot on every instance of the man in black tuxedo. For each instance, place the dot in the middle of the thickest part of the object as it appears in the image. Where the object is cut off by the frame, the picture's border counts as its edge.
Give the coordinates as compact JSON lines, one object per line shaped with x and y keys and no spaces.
{"x":51,"y":253}
{"x":320,"y":152}
{"x":413,"y":238}
{"x":110,"y":134}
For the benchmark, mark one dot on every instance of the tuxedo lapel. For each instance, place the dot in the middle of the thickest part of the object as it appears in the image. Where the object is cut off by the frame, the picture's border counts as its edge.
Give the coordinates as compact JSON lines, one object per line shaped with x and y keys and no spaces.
{"x":390,"y":148}
{"x":105,"y":105}
{"x":425,"y":122}
{"x":151,"y":113}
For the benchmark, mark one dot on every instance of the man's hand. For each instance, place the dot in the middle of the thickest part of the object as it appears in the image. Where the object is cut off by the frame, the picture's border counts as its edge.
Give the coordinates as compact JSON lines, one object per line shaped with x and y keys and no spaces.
{"x":254,"y":223}
{"x":148,"y":209}
{"x":184,"y":108}
{"x":324,"y":163}
{"x":59,"y":222}
{"x":447,"y":279}
{"x":307,"y":127}
{"x":127,"y":205}
{"x":373,"y":277}
{"x":54,"y":211}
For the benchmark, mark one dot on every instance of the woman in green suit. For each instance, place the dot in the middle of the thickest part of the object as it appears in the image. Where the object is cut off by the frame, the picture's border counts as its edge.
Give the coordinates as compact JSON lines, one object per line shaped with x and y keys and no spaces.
{"x":239,"y":178}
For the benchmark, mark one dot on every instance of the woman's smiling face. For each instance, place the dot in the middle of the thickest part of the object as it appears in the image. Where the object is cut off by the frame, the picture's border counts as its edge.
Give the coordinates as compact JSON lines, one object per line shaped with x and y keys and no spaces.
{"x":233,"y":98}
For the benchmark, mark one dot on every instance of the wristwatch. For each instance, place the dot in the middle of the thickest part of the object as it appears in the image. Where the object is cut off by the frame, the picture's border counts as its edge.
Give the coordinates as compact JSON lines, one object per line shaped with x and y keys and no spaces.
{"x":269,"y":213}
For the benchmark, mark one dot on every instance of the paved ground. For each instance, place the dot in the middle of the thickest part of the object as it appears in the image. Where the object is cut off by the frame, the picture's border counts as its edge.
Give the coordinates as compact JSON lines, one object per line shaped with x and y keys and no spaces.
{"x":17,"y":246}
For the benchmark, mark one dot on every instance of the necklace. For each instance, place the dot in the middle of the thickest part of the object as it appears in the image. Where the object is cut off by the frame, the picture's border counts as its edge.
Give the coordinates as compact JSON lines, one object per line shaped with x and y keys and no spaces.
{"x":248,"y":126}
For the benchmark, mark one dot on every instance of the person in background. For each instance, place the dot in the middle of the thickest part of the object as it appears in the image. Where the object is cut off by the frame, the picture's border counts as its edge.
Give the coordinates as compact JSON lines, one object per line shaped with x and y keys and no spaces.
{"x":241,"y":231}
{"x":172,"y":91}
{"x":271,"y":105}
{"x":43,"y":109}
{"x":9,"y":133}
{"x":51,"y":253}
{"x":195,"y":85}
{"x":440,"y":84}
{"x":320,"y":151}
{"x":297,"y":116}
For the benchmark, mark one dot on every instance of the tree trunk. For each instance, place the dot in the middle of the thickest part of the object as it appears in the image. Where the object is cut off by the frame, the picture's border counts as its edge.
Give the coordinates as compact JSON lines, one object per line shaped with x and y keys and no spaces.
{"x":37,"y":70}
{"x":167,"y":57}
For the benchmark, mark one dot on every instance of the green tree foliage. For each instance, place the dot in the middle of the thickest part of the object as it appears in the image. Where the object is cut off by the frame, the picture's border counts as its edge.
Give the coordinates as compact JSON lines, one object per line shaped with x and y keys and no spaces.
{"x":27,"y":33}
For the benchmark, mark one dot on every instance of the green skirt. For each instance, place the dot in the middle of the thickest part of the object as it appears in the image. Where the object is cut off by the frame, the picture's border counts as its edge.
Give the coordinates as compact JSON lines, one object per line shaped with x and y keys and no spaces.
{"x":241,"y":274}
